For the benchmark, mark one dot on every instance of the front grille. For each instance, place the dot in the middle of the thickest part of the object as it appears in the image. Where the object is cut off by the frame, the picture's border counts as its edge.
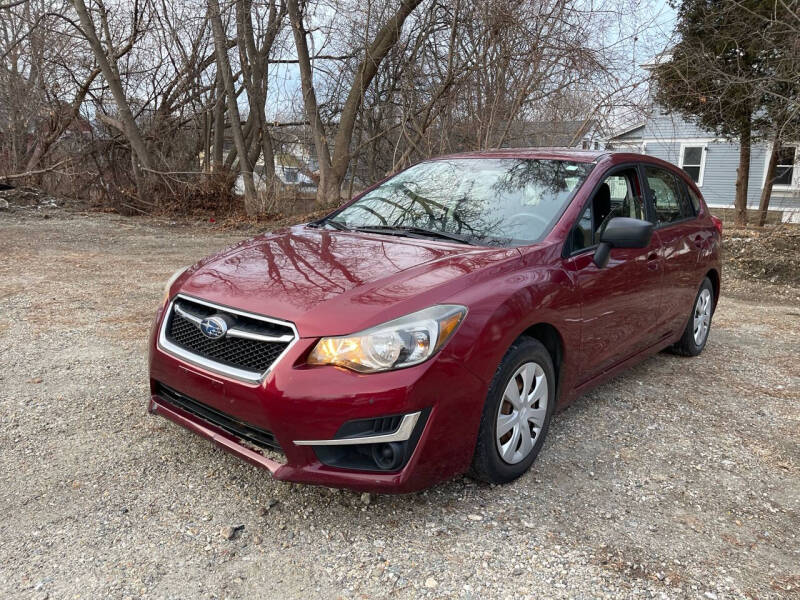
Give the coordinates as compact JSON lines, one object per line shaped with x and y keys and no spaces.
{"x":250,"y":355}
{"x":249,"y":433}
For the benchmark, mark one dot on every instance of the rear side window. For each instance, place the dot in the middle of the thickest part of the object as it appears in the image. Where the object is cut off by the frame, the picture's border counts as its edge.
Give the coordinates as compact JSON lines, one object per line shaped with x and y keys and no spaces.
{"x":694,"y":199}
{"x":669,"y":202}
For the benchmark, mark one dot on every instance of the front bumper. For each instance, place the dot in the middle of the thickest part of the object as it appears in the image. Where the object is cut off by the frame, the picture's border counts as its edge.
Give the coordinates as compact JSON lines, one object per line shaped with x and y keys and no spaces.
{"x":296,"y":402}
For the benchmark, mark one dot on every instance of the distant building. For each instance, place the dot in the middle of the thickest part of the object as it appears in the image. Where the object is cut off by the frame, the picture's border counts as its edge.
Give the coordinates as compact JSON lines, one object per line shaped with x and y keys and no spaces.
{"x":295,"y":167}
{"x":712,"y":161}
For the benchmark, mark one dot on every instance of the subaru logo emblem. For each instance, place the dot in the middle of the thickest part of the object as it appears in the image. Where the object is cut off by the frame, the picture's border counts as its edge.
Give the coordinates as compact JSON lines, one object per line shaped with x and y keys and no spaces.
{"x":214,"y":327}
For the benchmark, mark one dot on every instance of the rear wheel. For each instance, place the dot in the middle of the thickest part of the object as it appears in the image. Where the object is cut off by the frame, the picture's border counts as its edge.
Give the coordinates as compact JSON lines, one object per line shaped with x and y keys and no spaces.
{"x":695,"y":335}
{"x":516,"y":413}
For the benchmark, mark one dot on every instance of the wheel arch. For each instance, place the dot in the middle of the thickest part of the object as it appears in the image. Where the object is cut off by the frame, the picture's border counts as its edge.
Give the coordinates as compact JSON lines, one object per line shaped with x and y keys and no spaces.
{"x":713,"y":276}
{"x":539,"y":303}
{"x":551,"y":339}
{"x":487,"y":462}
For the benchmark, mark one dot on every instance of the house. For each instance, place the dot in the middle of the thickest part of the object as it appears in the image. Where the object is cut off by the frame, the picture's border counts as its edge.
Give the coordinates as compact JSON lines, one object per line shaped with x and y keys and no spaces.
{"x":294,"y":170}
{"x":294,"y":166}
{"x":711,"y":161}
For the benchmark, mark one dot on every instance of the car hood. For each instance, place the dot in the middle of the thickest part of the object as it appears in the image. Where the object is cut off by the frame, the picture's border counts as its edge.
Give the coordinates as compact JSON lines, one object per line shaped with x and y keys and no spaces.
{"x":335,"y":282}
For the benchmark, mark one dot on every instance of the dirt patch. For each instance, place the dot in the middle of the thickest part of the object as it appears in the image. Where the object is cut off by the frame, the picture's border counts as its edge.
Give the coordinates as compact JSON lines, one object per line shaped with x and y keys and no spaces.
{"x":770,"y":254}
{"x":677,"y":479}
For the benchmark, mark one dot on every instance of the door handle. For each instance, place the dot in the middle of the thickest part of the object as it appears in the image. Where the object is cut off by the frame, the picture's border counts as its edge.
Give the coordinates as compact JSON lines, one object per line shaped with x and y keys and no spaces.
{"x":652,"y":261}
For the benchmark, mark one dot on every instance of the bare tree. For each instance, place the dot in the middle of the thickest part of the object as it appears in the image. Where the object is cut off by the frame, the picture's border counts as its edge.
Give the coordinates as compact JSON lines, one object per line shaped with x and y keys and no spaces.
{"x":107,"y":62}
{"x":148,"y":94}
{"x":224,"y":67}
{"x":334,"y":166}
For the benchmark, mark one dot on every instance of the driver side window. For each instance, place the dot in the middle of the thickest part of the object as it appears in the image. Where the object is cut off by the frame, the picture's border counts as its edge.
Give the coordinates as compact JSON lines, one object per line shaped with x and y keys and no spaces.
{"x":618,"y":196}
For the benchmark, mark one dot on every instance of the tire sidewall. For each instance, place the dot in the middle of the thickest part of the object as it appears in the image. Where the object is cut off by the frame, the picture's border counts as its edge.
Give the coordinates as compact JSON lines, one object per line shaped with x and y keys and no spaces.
{"x":522,"y":351}
{"x":698,"y":348}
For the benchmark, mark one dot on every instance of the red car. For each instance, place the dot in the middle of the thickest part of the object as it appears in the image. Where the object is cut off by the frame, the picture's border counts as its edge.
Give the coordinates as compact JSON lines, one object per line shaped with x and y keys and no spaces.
{"x":431,"y":326}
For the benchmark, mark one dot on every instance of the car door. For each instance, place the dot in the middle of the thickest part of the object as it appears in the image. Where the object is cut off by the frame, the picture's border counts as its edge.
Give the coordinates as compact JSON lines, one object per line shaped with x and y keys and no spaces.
{"x":682,"y":238}
{"x":618,"y":301}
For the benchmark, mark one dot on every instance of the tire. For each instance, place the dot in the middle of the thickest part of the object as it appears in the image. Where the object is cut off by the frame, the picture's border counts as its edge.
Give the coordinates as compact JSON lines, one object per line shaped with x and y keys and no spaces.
{"x":500,"y":459}
{"x":692,"y":342}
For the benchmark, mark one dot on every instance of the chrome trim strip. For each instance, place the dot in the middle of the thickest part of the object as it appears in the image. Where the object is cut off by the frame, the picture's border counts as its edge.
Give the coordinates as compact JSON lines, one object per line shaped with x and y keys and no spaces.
{"x":188,"y":316}
{"x":235,"y":311}
{"x":235,"y":331}
{"x":247,"y":335}
{"x":239,"y":374}
{"x":402,"y":433}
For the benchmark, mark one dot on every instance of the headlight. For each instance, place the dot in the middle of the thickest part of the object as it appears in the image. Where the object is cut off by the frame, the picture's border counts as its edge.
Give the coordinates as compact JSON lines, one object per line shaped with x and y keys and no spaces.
{"x":403,"y":342}
{"x":169,"y":283}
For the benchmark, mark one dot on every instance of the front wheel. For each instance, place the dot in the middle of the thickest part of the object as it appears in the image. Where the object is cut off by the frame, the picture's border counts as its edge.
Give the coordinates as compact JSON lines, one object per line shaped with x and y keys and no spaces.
{"x":516,"y":413}
{"x":695,"y":335}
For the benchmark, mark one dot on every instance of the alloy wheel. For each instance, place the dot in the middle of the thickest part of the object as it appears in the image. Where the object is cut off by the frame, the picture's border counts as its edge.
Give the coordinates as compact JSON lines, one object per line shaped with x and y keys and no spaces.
{"x":702,"y":317}
{"x":522,"y":413}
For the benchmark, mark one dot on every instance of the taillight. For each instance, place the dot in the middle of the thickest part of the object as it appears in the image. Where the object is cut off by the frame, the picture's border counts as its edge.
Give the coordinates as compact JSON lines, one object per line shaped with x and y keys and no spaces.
{"x":717,"y":224}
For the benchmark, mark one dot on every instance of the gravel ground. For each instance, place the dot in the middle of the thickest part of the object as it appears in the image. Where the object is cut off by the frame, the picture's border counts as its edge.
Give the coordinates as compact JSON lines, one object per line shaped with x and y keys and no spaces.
{"x":680,"y":478}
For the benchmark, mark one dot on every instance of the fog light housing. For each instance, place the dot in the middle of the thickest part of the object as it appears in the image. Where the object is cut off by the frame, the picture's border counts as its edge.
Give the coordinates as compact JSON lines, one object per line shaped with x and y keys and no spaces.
{"x":386,"y":456}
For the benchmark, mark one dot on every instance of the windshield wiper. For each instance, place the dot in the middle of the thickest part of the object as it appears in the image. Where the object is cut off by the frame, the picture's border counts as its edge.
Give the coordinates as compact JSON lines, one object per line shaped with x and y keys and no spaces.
{"x":322,"y":222}
{"x":440,"y":234}
{"x":415,"y":231}
{"x":336,"y":224}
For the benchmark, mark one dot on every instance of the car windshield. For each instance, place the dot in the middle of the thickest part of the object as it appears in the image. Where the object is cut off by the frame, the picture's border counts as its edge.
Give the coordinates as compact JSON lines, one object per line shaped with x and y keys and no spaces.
{"x":491,"y":201}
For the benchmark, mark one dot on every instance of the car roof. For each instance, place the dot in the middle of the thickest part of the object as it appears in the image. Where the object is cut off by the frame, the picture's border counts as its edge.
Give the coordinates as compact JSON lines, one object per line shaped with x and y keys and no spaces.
{"x":571,"y":154}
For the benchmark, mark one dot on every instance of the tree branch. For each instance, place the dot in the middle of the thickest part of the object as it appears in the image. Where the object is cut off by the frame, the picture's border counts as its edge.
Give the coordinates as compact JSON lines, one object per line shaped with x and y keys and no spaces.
{"x":37,"y":171}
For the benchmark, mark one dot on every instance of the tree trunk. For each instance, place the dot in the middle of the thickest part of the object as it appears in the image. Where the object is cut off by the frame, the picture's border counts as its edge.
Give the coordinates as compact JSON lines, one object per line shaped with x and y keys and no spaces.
{"x":255,"y":75}
{"x":233,"y":154}
{"x":329,"y":190}
{"x":763,"y":205}
{"x":743,"y":174}
{"x":310,"y":100}
{"x":332,"y":170}
{"x":384,"y":41}
{"x":109,"y":69}
{"x":251,"y":204}
{"x":219,"y":128}
{"x":206,"y":166}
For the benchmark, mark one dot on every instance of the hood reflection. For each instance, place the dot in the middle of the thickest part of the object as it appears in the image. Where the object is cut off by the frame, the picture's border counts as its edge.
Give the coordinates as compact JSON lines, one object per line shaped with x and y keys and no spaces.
{"x":290,"y":273}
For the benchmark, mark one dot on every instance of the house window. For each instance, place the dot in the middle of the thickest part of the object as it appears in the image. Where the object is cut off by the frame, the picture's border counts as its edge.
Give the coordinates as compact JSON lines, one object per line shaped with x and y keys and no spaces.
{"x":784,"y":171}
{"x":290,"y":175}
{"x":693,"y":159}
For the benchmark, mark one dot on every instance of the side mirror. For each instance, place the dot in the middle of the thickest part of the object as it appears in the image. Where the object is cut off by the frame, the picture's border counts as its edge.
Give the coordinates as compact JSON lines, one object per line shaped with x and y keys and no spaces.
{"x":622,"y":232}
